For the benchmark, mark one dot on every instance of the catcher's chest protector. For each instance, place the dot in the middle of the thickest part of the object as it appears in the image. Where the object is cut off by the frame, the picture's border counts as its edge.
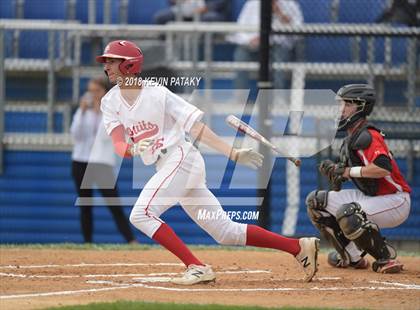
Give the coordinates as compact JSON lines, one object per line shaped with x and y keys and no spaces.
{"x":359,"y":141}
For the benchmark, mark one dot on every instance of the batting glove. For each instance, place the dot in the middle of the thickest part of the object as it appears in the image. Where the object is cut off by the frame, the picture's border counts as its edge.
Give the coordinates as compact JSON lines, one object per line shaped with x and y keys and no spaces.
{"x":138,"y":148}
{"x":247,"y":157}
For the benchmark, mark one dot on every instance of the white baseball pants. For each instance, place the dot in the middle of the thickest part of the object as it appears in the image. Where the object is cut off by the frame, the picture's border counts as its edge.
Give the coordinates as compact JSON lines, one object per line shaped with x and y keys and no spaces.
{"x":181,"y":178}
{"x":385,"y":211}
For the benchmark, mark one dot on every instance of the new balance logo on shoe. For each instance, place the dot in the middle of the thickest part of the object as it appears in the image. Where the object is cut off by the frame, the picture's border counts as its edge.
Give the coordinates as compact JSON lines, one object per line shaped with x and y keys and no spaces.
{"x":197,"y":274}
{"x":307,"y":257}
{"x":305,"y":262}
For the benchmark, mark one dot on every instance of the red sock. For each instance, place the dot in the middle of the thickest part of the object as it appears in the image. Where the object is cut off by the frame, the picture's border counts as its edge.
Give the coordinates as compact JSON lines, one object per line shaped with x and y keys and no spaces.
{"x":259,"y":237}
{"x":167,"y":238}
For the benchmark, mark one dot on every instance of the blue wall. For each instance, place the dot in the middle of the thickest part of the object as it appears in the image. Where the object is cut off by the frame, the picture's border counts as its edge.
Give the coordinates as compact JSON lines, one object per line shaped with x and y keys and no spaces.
{"x":37,"y":199}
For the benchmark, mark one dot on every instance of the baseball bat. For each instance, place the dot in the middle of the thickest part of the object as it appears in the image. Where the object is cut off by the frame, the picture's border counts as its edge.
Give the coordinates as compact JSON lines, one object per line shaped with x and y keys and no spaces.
{"x":239,"y":125}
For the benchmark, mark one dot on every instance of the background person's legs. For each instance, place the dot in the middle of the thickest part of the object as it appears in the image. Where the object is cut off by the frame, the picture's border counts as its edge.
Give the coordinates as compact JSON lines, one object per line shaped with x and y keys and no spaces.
{"x":104,"y":177}
{"x":164,"y":16}
{"x":243,"y":54}
{"x":212,"y":17}
{"x":86,"y":220}
{"x":280,"y":54}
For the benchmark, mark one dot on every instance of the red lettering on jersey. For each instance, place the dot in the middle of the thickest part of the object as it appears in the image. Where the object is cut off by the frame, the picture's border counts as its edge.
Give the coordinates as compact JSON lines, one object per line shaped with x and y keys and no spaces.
{"x":142,"y":130}
{"x":157,"y":145}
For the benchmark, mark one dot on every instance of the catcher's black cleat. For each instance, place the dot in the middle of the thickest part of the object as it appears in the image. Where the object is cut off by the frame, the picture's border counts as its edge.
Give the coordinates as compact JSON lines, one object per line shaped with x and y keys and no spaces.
{"x":334,"y":260}
{"x":387,"y":266}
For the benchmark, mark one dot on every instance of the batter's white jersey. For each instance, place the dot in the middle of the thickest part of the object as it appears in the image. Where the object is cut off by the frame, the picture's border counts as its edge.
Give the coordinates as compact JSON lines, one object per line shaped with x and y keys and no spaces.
{"x":157,"y":114}
{"x":180,"y":171}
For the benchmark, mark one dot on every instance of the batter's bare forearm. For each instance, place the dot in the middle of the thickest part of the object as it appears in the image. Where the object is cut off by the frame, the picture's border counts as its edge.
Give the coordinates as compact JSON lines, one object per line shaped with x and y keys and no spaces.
{"x":199,"y":131}
{"x":121,"y":148}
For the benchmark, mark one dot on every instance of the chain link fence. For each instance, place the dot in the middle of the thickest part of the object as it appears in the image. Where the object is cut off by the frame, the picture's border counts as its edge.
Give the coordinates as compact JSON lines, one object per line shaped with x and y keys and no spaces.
{"x":339,"y":42}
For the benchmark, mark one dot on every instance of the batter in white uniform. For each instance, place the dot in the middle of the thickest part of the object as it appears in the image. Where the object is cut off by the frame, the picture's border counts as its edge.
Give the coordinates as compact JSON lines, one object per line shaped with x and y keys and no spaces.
{"x":155,"y":122}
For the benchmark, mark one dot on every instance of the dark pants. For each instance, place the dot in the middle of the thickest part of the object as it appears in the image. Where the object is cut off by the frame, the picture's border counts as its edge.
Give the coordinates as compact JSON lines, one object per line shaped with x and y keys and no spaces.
{"x":98,"y":173}
{"x":167,"y":15}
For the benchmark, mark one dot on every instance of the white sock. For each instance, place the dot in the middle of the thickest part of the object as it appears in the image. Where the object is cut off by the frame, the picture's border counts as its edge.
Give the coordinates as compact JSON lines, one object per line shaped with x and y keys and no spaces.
{"x":354,"y":252}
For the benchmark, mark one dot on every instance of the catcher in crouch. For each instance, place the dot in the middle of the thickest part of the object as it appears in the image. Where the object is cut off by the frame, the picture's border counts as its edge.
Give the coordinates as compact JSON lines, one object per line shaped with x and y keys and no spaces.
{"x":351,"y":219}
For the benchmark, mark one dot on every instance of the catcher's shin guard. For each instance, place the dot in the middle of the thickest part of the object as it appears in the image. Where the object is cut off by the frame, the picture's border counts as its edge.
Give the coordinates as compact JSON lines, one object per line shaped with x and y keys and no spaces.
{"x":327,"y":225}
{"x":365,"y":234}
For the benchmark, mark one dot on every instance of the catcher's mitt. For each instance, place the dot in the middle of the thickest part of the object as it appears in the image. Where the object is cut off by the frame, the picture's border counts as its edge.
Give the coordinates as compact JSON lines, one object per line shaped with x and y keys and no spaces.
{"x":334,"y":173}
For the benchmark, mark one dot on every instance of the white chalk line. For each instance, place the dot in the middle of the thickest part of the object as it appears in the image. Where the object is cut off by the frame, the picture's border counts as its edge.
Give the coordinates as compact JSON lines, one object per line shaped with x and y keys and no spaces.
{"x":14,"y":275}
{"x":397,"y":284}
{"x":167,"y":280}
{"x":89,"y":265}
{"x":100,"y":282}
{"x":152,"y":280}
{"x":328,"y":278}
{"x":175,"y":289}
{"x":60,"y":293}
{"x":389,"y":285}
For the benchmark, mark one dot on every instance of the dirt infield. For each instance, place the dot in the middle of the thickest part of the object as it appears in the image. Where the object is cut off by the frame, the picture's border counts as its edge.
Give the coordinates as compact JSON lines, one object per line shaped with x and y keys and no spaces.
{"x":37,"y":278}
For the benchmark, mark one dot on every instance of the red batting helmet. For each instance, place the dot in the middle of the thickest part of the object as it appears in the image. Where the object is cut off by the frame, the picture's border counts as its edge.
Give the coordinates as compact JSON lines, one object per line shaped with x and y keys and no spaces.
{"x":128,"y":51}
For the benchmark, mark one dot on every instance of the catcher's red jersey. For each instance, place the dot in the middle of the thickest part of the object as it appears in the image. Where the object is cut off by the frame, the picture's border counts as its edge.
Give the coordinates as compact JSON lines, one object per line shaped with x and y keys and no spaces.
{"x":393,"y":183}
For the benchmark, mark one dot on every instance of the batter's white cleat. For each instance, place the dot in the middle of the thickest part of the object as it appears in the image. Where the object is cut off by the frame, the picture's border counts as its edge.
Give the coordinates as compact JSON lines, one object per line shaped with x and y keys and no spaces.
{"x":308,"y":257}
{"x":196,"y":274}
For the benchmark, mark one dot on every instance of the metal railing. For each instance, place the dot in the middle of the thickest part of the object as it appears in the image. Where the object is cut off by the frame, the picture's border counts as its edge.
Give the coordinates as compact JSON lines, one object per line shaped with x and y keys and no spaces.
{"x":71,"y":35}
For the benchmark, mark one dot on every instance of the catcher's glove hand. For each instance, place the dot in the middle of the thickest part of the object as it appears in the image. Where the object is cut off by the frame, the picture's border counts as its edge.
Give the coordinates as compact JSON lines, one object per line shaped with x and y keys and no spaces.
{"x":247,"y":157}
{"x":334,"y":173}
{"x":138,"y":148}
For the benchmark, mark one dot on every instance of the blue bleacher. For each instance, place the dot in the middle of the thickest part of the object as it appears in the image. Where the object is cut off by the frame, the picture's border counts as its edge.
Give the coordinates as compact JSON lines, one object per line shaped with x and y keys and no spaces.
{"x":33,"y":44}
{"x":35,"y":89}
{"x":316,"y":12}
{"x":82,"y":11}
{"x":31,"y":122}
{"x":45,"y":9}
{"x":236,"y":8}
{"x":327,"y":49}
{"x":360,"y":11}
{"x":317,"y":49}
{"x":26,"y":89}
{"x":7,"y":9}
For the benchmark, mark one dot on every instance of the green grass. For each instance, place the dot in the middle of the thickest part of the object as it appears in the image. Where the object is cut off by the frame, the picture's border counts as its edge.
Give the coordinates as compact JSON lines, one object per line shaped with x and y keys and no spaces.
{"x":134,"y":305}
{"x":146,"y":247}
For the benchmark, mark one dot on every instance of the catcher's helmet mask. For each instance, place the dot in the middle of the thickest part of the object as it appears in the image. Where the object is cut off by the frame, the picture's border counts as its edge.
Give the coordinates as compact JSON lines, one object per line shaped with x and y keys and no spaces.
{"x":360,"y":94}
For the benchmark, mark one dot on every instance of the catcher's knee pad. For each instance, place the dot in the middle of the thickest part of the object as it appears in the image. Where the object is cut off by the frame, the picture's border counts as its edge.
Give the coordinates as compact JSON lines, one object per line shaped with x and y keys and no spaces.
{"x":364,"y":233}
{"x":315,"y":202}
{"x":327,"y":225}
{"x":351,"y":219}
